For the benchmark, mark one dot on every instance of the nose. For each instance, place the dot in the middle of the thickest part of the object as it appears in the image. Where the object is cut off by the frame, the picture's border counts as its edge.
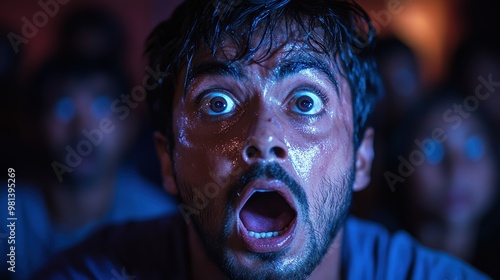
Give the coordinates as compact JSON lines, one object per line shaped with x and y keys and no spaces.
{"x":79,"y":122}
{"x":265,"y":142}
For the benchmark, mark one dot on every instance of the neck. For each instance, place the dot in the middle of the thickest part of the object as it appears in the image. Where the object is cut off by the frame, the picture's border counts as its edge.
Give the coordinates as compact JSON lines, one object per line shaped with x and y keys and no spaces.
{"x":329,"y":268}
{"x":72,"y":209}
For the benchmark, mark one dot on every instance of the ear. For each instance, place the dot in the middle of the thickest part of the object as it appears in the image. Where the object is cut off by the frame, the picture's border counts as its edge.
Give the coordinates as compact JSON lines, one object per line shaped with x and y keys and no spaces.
{"x":364,"y":158}
{"x":167,"y":172}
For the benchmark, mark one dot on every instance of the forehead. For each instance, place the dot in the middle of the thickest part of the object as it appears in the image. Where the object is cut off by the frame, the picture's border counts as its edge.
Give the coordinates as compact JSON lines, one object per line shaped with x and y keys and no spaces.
{"x":92,"y":85}
{"x":283,"y":57}
{"x":288,"y":55}
{"x":264,"y":47}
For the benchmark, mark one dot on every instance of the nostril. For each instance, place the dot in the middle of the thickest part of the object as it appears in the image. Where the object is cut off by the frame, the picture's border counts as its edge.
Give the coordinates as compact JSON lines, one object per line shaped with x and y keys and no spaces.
{"x":252,"y":152}
{"x":278,"y":152}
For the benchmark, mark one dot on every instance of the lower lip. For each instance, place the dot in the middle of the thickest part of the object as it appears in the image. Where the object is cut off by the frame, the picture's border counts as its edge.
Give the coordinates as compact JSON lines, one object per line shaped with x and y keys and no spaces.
{"x":267,"y":245}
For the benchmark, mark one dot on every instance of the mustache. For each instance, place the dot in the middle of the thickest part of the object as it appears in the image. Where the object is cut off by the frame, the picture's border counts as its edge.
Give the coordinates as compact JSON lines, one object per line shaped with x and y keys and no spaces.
{"x":271,"y":171}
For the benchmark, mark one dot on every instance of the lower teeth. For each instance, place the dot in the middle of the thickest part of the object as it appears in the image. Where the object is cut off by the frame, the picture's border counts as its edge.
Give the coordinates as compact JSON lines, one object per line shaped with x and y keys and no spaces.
{"x":259,"y":235}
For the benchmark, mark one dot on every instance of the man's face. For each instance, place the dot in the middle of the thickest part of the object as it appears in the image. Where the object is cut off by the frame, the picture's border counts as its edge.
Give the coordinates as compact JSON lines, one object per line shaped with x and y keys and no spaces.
{"x":263,"y":149}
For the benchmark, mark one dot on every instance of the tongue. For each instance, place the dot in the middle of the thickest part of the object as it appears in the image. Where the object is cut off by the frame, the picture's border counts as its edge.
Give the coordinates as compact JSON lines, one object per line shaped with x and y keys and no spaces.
{"x":266,"y":212}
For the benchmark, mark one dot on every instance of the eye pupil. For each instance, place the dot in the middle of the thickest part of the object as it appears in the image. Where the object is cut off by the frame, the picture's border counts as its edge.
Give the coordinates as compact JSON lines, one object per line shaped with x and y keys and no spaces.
{"x":218,"y":104}
{"x":305,"y":103}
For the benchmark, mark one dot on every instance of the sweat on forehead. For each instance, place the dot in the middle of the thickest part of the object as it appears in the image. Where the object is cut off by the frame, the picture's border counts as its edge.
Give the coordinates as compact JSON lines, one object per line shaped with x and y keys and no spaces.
{"x":246,"y":30}
{"x":288,"y":59}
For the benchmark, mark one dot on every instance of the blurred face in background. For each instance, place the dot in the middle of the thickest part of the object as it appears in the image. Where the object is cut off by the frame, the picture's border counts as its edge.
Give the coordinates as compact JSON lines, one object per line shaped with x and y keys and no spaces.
{"x":457,"y":182}
{"x":76,"y":108}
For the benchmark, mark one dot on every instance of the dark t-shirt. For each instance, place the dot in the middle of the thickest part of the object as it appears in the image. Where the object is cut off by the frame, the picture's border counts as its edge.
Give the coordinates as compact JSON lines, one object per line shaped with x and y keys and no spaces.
{"x":158,"y":249}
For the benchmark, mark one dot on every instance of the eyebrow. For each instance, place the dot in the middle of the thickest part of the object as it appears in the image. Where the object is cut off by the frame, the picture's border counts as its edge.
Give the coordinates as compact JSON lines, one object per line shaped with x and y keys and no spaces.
{"x":214,"y":68}
{"x":291,"y":66}
{"x":296,"y":64}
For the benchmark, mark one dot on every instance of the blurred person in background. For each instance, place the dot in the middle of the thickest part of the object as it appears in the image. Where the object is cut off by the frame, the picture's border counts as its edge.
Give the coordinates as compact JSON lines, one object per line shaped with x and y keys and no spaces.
{"x":84,"y":138}
{"x":82,"y":178}
{"x":450,"y":200}
{"x":82,"y":124}
{"x":95,"y":34}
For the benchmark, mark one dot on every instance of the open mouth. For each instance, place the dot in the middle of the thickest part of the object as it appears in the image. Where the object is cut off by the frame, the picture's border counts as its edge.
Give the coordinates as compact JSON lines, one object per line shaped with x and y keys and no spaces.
{"x":267,"y":216}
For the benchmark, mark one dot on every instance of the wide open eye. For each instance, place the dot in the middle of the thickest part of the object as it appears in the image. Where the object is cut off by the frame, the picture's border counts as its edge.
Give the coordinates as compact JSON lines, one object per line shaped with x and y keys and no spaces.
{"x":217,"y":103}
{"x":306,"y":103}
{"x":435,"y":156}
{"x":474,"y":147}
{"x":65,"y":109}
{"x":101,"y":107}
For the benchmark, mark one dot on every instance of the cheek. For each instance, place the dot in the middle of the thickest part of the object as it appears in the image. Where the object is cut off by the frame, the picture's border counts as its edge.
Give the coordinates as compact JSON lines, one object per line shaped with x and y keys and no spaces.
{"x":203,"y":158}
{"x":304,"y":160}
{"x":56,"y":131}
{"x":327,"y":154}
{"x":484,"y":180}
{"x":314,"y":163}
{"x":204,"y":169}
{"x":428,"y":177}
{"x":114,"y":142}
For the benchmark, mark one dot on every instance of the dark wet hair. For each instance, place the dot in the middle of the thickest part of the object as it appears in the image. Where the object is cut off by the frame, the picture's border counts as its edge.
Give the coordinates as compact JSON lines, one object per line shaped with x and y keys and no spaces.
{"x":340,"y":29}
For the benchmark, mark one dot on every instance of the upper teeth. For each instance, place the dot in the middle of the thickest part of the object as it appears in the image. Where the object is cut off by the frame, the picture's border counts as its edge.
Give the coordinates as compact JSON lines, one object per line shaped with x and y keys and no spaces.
{"x":259,"y":235}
